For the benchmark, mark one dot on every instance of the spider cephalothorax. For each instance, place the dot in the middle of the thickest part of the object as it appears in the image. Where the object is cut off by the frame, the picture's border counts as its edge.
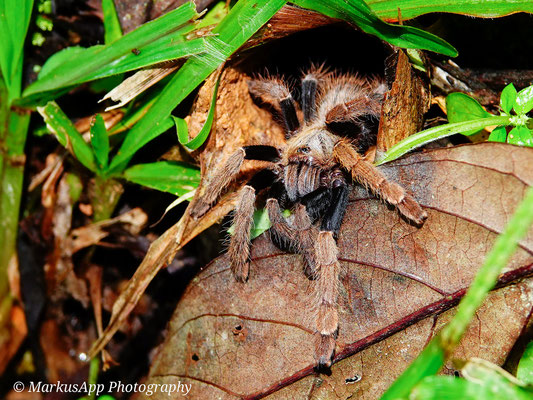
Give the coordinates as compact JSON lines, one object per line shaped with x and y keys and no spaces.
{"x":312,"y":174}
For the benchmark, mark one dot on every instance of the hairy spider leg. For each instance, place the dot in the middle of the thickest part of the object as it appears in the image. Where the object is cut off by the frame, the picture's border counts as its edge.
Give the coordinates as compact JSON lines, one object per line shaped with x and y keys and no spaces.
{"x":309,"y":89}
{"x":326,"y":258}
{"x":299,"y":238}
{"x":367,"y":174}
{"x":239,"y":247}
{"x":276,"y":92}
{"x":227,"y":172}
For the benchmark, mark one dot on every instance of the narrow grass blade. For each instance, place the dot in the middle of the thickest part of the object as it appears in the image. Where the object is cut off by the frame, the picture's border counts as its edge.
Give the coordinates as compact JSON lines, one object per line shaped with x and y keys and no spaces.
{"x":388,"y":9}
{"x":100,"y":142}
{"x":166,"y":176}
{"x":244,"y":19}
{"x":14,"y":21}
{"x":112,"y":28}
{"x":84,"y":62}
{"x":433,"y":356}
{"x":67,"y":134}
{"x":358,"y":13}
{"x":438,"y":132}
{"x":183,"y":131}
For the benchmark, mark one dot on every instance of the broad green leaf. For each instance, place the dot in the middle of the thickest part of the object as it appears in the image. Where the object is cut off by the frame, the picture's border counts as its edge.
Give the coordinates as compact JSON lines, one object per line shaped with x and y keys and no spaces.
{"x":166,"y":176}
{"x":438,"y":132}
{"x":357,"y":12}
{"x":499,"y":134}
{"x":67,"y":134}
{"x":100,"y":141}
{"x":525,"y":367}
{"x":524,"y":101}
{"x":14,"y":21}
{"x":112,"y":28}
{"x":508,"y":98}
{"x":388,"y":9}
{"x":520,"y":136}
{"x":462,"y":107}
{"x":183,"y":131}
{"x":97,"y":62}
{"x":431,"y":359}
{"x":244,"y":19}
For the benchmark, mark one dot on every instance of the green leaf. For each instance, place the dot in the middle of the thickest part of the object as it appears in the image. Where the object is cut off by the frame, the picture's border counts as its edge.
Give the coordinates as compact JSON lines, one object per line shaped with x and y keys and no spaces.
{"x":67,"y":134}
{"x":112,"y":28}
{"x":525,"y":367}
{"x":100,"y":141}
{"x":448,"y":388}
{"x":357,"y":12}
{"x":388,"y":9}
{"x":438,"y":132}
{"x":244,"y":19}
{"x":462,"y":107}
{"x":451,"y":388}
{"x":524,"y":101}
{"x":166,"y":176}
{"x":508,"y":98}
{"x":159,"y":128}
{"x":261,"y":222}
{"x":215,"y":15}
{"x":520,"y":136}
{"x":158,"y":39}
{"x":499,"y":134}
{"x":183,"y":131}
{"x":14,"y":21}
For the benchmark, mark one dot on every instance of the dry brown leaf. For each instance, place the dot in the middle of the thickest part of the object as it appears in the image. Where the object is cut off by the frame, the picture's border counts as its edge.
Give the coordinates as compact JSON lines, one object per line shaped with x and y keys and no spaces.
{"x":12,"y":335}
{"x":232,"y":340}
{"x":132,"y":222}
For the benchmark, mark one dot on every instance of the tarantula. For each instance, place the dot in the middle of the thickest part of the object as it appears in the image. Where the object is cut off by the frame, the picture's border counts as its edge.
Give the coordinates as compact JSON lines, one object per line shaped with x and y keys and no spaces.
{"x":313,"y":172}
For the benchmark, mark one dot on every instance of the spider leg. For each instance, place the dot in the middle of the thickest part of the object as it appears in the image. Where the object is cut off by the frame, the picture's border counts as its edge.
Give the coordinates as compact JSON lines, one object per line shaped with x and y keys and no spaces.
{"x":239,"y":247}
{"x":326,"y":256}
{"x":314,"y":78}
{"x":367,"y":174}
{"x":309,"y":90}
{"x":227,"y":172}
{"x":300,"y":238}
{"x":276,"y":93}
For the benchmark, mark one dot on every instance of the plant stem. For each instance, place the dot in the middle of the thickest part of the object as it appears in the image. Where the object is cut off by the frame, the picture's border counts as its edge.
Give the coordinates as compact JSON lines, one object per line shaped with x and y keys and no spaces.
{"x":13,"y":130}
{"x":105,"y":194}
{"x":439,"y":132}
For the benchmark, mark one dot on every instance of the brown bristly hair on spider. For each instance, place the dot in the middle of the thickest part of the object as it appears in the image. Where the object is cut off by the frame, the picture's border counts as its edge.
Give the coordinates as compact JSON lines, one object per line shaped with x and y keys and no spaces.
{"x":327,"y":136}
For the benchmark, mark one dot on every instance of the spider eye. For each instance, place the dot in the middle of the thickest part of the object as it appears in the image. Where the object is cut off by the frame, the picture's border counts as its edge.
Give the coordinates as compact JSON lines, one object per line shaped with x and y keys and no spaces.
{"x":303,"y":149}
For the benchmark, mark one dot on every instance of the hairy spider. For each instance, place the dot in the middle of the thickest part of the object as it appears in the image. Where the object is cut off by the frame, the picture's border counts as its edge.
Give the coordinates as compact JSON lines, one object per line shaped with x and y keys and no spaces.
{"x":311,"y":173}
